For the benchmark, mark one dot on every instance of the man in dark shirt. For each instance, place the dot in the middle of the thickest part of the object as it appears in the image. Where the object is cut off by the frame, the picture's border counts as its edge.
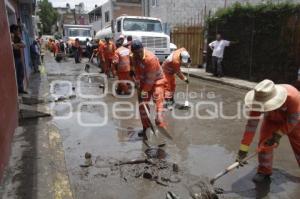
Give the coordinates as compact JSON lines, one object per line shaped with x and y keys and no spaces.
{"x":18,"y":45}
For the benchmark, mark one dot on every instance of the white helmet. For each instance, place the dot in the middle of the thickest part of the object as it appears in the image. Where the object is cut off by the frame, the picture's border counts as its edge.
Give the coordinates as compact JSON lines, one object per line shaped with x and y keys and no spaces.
{"x":185,"y":56}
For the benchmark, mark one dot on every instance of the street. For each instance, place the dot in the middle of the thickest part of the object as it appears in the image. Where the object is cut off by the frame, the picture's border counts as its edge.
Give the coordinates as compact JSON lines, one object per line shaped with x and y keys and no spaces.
{"x":48,"y":152}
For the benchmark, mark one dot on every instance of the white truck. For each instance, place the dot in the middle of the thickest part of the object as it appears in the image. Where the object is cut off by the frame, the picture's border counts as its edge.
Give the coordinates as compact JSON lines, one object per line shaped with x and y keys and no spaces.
{"x":146,"y":29}
{"x":82,"y":32}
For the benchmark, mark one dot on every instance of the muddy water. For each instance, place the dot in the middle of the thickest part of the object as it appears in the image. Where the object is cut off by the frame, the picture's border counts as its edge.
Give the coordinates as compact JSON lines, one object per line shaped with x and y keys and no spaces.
{"x":201,"y":147}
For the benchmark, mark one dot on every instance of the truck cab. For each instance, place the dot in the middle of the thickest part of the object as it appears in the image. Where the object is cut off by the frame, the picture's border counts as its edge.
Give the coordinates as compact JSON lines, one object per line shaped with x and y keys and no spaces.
{"x":82,"y":32}
{"x":146,"y":29}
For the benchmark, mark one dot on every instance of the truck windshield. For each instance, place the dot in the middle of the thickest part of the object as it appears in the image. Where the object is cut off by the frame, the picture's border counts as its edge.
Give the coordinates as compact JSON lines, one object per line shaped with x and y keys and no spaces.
{"x":79,"y":32}
{"x":145,"y":25}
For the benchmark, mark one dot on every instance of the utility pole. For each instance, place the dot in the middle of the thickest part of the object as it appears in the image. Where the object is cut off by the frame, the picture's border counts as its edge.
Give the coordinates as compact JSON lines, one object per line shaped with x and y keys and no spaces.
{"x":225,"y":3}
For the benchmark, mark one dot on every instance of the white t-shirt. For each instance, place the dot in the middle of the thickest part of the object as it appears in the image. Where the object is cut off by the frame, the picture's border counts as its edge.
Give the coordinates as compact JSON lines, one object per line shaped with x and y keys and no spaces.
{"x":219,"y":47}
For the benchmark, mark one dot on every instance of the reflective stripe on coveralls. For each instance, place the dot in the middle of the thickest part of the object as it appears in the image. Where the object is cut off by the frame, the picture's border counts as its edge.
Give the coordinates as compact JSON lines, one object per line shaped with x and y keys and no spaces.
{"x":285,"y":119}
{"x":122,"y":60}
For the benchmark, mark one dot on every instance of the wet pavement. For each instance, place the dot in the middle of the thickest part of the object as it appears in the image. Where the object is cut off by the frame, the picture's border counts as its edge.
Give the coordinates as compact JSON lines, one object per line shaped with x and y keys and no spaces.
{"x":205,"y":141}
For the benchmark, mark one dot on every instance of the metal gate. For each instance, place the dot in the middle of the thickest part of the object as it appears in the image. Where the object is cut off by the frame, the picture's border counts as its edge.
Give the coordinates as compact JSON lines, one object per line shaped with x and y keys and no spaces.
{"x":191,"y":38}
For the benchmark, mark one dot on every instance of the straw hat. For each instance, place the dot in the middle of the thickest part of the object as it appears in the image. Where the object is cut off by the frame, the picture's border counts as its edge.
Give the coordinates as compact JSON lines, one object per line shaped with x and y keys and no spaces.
{"x":266,"y":96}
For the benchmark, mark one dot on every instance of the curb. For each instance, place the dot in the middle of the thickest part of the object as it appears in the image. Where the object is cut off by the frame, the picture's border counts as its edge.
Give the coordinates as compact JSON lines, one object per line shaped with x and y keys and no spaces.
{"x":220,"y":81}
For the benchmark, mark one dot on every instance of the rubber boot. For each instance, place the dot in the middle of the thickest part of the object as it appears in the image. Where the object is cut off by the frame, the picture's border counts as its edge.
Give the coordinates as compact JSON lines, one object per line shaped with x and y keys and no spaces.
{"x":260,"y":177}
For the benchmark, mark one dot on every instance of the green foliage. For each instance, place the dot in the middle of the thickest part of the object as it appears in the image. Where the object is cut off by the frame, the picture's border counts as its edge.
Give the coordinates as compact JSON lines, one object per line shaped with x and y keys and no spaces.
{"x":267,"y":34}
{"x":48,"y":16}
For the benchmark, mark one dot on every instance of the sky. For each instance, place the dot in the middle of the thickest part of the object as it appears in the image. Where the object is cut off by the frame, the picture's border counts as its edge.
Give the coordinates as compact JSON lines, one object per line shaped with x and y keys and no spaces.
{"x":89,"y":4}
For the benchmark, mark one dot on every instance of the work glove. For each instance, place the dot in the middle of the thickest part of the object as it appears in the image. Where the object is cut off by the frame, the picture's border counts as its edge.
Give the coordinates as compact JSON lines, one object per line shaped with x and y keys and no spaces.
{"x":274,"y":140}
{"x":144,"y":94}
{"x":241,"y":156}
{"x":186,"y":80}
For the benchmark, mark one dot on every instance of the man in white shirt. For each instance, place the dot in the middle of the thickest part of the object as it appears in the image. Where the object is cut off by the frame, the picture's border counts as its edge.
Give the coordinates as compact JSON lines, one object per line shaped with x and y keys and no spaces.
{"x":218,"y":48}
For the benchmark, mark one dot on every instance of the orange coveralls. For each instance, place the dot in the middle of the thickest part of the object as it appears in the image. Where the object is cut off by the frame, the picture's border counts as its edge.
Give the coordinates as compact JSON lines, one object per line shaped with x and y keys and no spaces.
{"x":54,"y":48}
{"x":151,"y":78}
{"x":122,"y":61}
{"x":100,"y":54}
{"x":171,"y":66}
{"x":108,"y":52}
{"x":286,"y":119}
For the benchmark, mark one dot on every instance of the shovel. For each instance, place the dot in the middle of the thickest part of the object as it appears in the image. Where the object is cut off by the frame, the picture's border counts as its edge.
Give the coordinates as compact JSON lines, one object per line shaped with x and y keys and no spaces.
{"x":87,"y":66}
{"x":186,"y":103}
{"x":262,"y":147}
{"x":231,"y":167}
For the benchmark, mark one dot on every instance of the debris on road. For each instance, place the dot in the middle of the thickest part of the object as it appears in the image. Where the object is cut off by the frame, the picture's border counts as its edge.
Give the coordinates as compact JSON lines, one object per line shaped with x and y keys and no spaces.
{"x":175,"y":167}
{"x":139,"y":161}
{"x":202,"y":190}
{"x":153,"y":169}
{"x":155,"y":153}
{"x":171,"y":195}
{"x":88,"y":160}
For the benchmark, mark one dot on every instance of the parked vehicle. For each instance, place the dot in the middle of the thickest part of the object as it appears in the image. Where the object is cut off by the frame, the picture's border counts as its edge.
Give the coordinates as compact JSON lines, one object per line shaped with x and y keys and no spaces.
{"x":71,"y":32}
{"x":147,"y":29}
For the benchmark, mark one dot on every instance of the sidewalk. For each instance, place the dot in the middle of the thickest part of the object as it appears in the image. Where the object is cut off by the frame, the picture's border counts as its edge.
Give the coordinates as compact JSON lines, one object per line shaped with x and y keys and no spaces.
{"x":201,"y":74}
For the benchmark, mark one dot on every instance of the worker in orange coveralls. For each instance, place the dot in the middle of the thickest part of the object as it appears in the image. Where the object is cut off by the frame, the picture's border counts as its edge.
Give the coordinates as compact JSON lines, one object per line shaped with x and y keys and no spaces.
{"x":108,"y":50}
{"x":77,"y":51}
{"x":150,"y":80}
{"x":122,"y":63}
{"x":171,"y":66}
{"x":100,"y":55}
{"x":54,"y":47}
{"x":280,"y":105}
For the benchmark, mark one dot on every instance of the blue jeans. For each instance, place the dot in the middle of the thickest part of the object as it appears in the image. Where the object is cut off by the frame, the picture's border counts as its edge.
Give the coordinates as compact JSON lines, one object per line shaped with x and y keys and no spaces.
{"x":217,"y":66}
{"x":19,"y":73}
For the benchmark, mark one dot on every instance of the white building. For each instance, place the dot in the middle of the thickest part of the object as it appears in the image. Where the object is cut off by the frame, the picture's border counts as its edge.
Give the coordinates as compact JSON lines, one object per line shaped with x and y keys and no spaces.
{"x":102,"y":15}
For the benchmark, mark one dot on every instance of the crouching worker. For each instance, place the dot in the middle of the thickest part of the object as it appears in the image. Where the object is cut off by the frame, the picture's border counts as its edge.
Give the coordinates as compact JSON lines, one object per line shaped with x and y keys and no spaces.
{"x":280,"y":106}
{"x":149,"y":78}
{"x":122,"y":65}
{"x":171,"y":66}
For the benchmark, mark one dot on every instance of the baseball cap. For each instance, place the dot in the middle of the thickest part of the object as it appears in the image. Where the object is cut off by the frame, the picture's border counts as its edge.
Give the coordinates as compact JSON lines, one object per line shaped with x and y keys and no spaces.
{"x":136,"y":45}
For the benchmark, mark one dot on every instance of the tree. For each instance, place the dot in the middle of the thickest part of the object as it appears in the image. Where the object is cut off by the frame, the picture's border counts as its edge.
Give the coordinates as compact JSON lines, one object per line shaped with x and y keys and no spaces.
{"x":48,"y":16}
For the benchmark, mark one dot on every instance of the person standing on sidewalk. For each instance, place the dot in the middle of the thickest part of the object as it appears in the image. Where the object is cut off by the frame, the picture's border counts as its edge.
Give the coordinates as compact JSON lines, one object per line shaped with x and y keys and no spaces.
{"x":280,"y":105}
{"x":171,"y":66}
{"x":18,"y":45}
{"x":150,"y":80}
{"x":218,"y":48}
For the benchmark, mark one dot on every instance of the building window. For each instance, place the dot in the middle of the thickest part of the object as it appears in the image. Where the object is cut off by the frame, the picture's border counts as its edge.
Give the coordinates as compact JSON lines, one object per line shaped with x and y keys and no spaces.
{"x":107,"y":16}
{"x":154,"y":3}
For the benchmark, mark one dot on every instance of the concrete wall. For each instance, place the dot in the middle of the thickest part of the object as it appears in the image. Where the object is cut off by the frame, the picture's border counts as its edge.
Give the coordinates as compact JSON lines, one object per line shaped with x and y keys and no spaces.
{"x":182,"y":11}
{"x":116,"y":9}
{"x":128,"y":9}
{"x":8,"y":90}
{"x":107,"y":7}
